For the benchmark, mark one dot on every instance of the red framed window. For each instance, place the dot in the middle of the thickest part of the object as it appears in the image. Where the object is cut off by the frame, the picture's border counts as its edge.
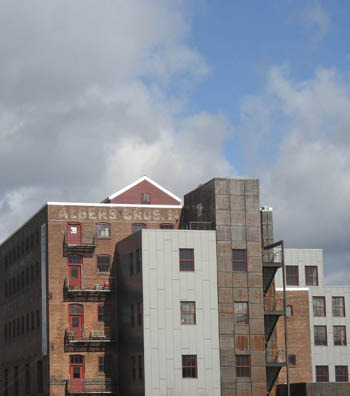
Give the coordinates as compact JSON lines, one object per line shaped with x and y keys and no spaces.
{"x":189,"y":366}
{"x":241,"y":313}
{"x":188,"y":312}
{"x":186,"y":259}
{"x":322,"y":374}
{"x":138,"y":226}
{"x":103,"y":230}
{"x":292,"y":275}
{"x":320,"y":335}
{"x":341,"y":374}
{"x":339,"y":335}
{"x":311,"y":275}
{"x":289,"y":311}
{"x":146,"y":198}
{"x":103,"y":263}
{"x":243,"y":366}
{"x":166,"y":226}
{"x":292,"y":360}
{"x":319,"y":306}
{"x":239,"y":260}
{"x":338,"y":306}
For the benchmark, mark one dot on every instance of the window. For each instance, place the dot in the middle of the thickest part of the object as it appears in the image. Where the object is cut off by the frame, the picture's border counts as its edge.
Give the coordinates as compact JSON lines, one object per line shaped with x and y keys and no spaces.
{"x":22,"y":324}
{"x":27,"y":379}
{"x":37,"y":318}
{"x":18,"y":282}
{"x":31,"y":273}
{"x":166,"y":226}
{"x":10,"y":330}
{"x":338,"y":306}
{"x":186,"y":259}
{"x":320,"y":333}
{"x":292,"y":360}
{"x":138,"y":226}
{"x":138,"y":261}
{"x":239,"y":260}
{"x":139,"y":314}
{"x":311,"y":275}
{"x":189,"y":366}
{"x":74,"y":259}
{"x":27,"y":276}
{"x":241,"y":313}
{"x":16,"y":385}
{"x":39,"y":374}
{"x":339,"y":335}
{"x":289,"y":310}
{"x":322,"y":374}
{"x":6,"y":292}
{"x":27,"y":322}
{"x":103,"y":263}
{"x":131,"y":264}
{"x":242,"y":366}
{"x":76,"y":359}
{"x":18,"y":326}
{"x":13,"y":329}
{"x":292,"y":275}
{"x":37,"y":271}
{"x":319,"y":306}
{"x":133,"y":368}
{"x":101,"y":364}
{"x":103,"y":230}
{"x":100,"y":313}
{"x":5,"y":331}
{"x":341,"y":374}
{"x":33,"y":321}
{"x":188,"y":312}
{"x":132,"y":315}
{"x":140,"y":367}
{"x":104,"y":313}
{"x":146,"y":198}
{"x":22,"y":279}
{"x":6,"y":382}
{"x":75,"y":309}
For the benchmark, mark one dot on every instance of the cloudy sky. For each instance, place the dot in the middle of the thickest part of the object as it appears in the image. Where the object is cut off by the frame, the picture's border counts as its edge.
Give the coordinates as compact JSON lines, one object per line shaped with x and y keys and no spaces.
{"x":96,"y":93}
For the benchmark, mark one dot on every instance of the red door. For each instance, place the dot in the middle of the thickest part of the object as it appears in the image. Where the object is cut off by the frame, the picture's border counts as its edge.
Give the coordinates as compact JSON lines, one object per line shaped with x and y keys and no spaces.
{"x":76,"y":319}
{"x":74,"y":234}
{"x":74,"y":271}
{"x":77,"y":373}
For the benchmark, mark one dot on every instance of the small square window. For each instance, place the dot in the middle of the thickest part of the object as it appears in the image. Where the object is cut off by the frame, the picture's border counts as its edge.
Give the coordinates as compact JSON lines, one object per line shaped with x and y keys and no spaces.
{"x":186,"y":259}
{"x":103,"y":263}
{"x":146,"y":198}
{"x":188,"y":312}
{"x":189,"y":366}
{"x":241,"y":316}
{"x":289,"y":311}
{"x":138,"y":227}
{"x":319,"y":306}
{"x":243,"y":366}
{"x":341,"y":374}
{"x":322,"y":374}
{"x":339,"y":335}
{"x":338,"y":306}
{"x":311,"y":275}
{"x":103,"y":230}
{"x":292,"y":275}
{"x":239,"y":260}
{"x":320,"y":334}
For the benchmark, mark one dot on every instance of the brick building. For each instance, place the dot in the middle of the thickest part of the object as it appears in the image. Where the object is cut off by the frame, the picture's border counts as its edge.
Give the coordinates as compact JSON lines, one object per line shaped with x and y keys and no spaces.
{"x":141,"y":295}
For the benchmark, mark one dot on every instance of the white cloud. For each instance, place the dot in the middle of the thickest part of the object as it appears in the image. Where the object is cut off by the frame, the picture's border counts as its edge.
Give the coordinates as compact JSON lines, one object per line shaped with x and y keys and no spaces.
{"x":85,"y":105}
{"x":316,"y":20}
{"x":308,"y":183}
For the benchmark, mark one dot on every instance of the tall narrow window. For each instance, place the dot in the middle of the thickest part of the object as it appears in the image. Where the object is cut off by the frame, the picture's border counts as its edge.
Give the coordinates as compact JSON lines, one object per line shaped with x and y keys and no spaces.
{"x":311,"y":275}
{"x":242,"y":366}
{"x":338,"y":306}
{"x":322,"y":374}
{"x":289,"y":310}
{"x":146,"y":198}
{"x":37,"y":318}
{"x":16,"y":384}
{"x":188,"y":312}
{"x":241,"y":313}
{"x":33,"y":320}
{"x":292,"y":360}
{"x":139,"y":314}
{"x":103,"y":230}
{"x":18,"y":326}
{"x":140,"y":367}
{"x":39,"y":373}
{"x":101,"y":364}
{"x":22,"y":324}
{"x":339,"y":334}
{"x":341,"y":374}
{"x":319,"y":306}
{"x":132,"y":315}
{"x":100,"y":316}
{"x":131,"y":264}
{"x":5,"y":332}
{"x":6,"y":382}
{"x":189,"y":366}
{"x":239,"y":260}
{"x":27,"y":322}
{"x":320,"y":335}
{"x":27,"y":379}
{"x":133,"y":368}
{"x":138,"y":261}
{"x":292,"y":275}
{"x":103,"y":263}
{"x":186,"y":259}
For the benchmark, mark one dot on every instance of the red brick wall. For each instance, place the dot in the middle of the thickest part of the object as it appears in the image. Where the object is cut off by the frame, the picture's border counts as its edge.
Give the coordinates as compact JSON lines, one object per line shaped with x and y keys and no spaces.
{"x":133,"y":196}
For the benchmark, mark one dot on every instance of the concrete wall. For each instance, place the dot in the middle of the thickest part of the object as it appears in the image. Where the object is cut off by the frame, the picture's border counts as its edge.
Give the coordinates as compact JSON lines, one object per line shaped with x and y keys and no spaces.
{"x":165,"y":339}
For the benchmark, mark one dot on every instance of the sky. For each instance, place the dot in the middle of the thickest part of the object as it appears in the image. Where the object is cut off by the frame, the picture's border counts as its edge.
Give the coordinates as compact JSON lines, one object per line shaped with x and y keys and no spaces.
{"x":97,"y":93}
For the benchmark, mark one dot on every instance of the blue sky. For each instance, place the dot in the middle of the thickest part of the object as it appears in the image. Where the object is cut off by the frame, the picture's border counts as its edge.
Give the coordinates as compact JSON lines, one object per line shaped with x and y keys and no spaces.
{"x":95,"y":94}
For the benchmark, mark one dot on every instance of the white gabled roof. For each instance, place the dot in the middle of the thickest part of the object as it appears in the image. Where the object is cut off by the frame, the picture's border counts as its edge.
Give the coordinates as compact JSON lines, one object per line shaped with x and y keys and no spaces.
{"x":141,"y":179}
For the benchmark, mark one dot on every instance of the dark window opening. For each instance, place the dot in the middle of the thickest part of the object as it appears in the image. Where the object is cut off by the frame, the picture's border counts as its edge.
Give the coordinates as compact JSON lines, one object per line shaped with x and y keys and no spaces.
{"x":292,"y":275}
{"x":189,"y":366}
{"x":186,"y":259}
{"x":239,"y":260}
{"x":103,"y":263}
{"x":242,"y":366}
{"x":322,"y":374}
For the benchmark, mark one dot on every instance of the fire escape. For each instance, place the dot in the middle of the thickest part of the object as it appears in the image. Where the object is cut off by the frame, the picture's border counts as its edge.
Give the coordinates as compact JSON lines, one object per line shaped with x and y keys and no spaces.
{"x":274,"y":308}
{"x":83,"y":246}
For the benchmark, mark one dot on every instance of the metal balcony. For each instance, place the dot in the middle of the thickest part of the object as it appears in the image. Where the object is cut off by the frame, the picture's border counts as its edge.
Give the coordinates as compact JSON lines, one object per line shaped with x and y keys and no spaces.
{"x":272,"y":261}
{"x":84,"y":245}
{"x":87,"y":340}
{"x":92,"y":291}
{"x":275,"y":360}
{"x":96,"y":386}
{"x":273,"y":309}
